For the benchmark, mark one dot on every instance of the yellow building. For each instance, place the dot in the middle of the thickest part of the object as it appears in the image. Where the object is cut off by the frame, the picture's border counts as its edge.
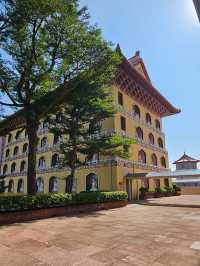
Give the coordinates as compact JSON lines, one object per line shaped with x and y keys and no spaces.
{"x":141,"y":109}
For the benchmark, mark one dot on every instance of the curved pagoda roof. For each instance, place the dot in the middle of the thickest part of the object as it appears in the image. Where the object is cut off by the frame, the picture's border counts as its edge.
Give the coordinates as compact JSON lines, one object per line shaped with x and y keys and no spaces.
{"x":131,"y":77}
{"x":186,"y":159}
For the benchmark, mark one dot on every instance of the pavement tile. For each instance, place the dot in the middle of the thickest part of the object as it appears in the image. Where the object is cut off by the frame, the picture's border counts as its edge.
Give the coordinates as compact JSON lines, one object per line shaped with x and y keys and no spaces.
{"x":135,"y":235}
{"x":56,"y":256}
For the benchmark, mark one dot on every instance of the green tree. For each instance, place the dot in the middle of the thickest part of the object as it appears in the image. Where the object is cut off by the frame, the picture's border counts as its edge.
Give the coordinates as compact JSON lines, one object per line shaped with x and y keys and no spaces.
{"x":48,"y":49}
{"x":79,"y":124}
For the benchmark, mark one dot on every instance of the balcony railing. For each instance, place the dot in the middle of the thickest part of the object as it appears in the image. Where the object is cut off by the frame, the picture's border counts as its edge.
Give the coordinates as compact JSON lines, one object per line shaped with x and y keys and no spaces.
{"x":54,"y":147}
{"x":93,"y":164}
{"x":139,"y":121}
{"x":21,"y":139}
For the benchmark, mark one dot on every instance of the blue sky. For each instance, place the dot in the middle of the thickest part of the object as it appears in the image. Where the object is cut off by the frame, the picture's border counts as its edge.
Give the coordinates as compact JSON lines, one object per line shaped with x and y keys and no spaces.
{"x":167,"y":33}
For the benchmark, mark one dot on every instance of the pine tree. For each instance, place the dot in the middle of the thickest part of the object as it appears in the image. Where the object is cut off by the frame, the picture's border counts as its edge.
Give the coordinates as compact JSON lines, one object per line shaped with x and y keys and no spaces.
{"x":79,"y":124}
{"x":46,"y":47}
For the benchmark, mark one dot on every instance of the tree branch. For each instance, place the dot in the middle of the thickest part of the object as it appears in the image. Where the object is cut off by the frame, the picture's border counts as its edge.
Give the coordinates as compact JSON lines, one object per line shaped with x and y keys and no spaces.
{"x":11,"y":104}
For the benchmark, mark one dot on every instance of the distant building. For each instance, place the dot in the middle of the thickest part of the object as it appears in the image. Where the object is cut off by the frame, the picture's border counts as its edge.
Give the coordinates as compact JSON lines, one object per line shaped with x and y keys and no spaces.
{"x":189,"y":181}
{"x":186,"y":175}
{"x":197,"y":7}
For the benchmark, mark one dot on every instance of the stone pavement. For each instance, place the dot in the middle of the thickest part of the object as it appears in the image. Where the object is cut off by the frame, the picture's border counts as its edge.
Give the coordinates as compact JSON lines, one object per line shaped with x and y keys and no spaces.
{"x":134,"y":235}
{"x":178,"y":201}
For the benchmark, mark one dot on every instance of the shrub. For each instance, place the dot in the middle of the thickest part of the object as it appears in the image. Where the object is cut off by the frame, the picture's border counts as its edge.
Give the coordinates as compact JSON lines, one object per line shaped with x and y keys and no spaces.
{"x":22,"y":202}
{"x":95,"y":197}
{"x":176,"y":188}
{"x":13,"y":203}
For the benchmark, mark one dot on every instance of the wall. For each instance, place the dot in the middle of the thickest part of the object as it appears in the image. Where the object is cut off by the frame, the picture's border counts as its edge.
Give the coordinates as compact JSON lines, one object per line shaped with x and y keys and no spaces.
{"x":110,"y":178}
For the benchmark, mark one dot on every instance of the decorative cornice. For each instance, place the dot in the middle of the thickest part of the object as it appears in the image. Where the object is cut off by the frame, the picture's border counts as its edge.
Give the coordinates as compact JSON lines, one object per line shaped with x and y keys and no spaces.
{"x":130,"y":81}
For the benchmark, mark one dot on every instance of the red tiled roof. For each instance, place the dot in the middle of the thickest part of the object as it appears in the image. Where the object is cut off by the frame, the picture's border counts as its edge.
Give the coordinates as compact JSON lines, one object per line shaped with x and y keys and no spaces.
{"x":186,"y":159}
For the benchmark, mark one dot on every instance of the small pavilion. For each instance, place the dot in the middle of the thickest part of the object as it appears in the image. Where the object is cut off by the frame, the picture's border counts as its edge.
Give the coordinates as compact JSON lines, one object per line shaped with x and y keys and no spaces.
{"x":186,"y":175}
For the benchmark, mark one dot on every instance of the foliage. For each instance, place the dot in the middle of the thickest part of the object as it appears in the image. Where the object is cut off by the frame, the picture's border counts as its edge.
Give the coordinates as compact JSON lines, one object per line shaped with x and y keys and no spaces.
{"x":79,"y":123}
{"x":176,"y":188}
{"x":16,"y":203}
{"x":2,"y":184}
{"x":49,"y":46}
{"x":168,"y":189}
{"x":95,"y":197}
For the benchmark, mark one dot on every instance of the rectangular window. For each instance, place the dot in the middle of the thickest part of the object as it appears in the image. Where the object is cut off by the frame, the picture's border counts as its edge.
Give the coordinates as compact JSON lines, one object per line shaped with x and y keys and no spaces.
{"x":120,"y":98}
{"x":123,"y":123}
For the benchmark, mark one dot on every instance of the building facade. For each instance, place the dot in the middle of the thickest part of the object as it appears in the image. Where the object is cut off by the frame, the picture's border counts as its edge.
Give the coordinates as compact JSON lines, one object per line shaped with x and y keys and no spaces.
{"x":189,"y":175}
{"x":2,"y":143}
{"x":141,"y":109}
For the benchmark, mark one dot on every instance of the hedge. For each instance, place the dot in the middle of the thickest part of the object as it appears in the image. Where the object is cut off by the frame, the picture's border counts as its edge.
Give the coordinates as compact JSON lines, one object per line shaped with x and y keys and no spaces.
{"x":98,"y":197}
{"x":22,"y":202}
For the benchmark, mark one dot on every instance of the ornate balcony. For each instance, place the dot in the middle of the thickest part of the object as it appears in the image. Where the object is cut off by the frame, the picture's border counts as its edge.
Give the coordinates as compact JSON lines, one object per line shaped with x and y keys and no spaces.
{"x":93,"y":164}
{"x":47,"y":148}
{"x":139,"y":121}
{"x":14,"y":142}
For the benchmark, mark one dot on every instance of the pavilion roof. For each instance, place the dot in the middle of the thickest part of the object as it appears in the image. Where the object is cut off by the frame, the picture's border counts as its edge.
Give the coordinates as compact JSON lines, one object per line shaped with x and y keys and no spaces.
{"x":186,"y":159}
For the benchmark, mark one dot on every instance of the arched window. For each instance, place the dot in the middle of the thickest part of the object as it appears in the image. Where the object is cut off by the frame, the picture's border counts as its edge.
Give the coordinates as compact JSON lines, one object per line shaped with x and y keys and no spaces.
{"x":45,"y":124}
{"x":7,"y":153}
{"x":158,"y":125}
{"x":39,"y":185}
{"x":56,"y":139}
{"x":148,"y":119}
{"x":13,"y":168}
{"x":136,"y":111}
{"x":5,"y":169}
{"x":44,"y":142}
{"x":16,"y":151}
{"x":163,"y":162}
{"x":42,"y":163}
{"x":160,"y":143}
{"x":95,"y":157}
{"x":18,"y":134}
{"x":20,"y":186}
{"x":11,"y":186}
{"x":10,"y":137}
{"x":22,"y":166}
{"x":139,"y":133}
{"x":154,"y":160}
{"x":25,"y":148}
{"x":53,"y":184}
{"x":69,"y":184}
{"x":55,"y":160}
{"x":92,"y":182}
{"x":142,"y":157}
{"x":151,"y":139}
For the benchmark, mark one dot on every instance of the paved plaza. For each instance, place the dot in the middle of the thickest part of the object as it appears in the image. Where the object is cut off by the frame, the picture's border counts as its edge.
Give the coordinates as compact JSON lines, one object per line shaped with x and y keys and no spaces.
{"x":134,"y":235}
{"x":182,"y":201}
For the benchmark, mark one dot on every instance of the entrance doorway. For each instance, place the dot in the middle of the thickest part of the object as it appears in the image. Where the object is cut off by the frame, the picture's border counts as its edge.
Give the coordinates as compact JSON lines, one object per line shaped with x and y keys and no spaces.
{"x":129,"y":189}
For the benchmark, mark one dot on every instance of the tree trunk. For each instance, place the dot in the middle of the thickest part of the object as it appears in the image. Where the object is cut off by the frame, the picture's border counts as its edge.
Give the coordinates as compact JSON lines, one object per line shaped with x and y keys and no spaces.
{"x":32,"y":128}
{"x":74,"y":183}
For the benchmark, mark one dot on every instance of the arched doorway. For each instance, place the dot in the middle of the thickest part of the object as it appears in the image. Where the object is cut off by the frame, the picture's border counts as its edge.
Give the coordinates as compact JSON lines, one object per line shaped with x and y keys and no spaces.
{"x":92,"y":182}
